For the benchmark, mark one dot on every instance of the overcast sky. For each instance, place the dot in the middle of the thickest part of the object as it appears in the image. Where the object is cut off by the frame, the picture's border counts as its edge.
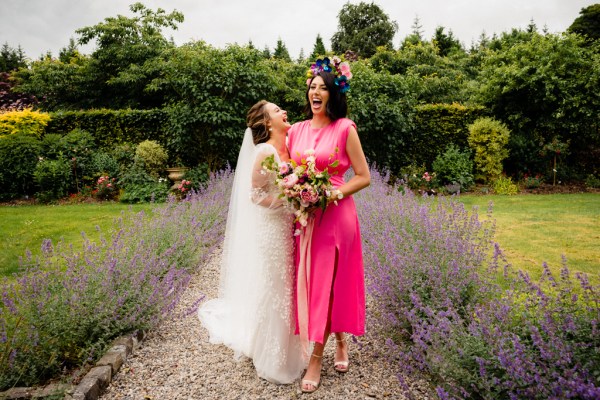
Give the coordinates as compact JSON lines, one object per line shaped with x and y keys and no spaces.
{"x":46,"y":25}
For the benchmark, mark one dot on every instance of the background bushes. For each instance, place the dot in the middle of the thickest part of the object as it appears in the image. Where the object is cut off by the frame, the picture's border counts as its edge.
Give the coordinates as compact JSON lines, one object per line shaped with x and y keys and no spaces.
{"x":53,"y":178}
{"x":19,"y":154}
{"x":111,"y":128}
{"x":437,"y":125}
{"x":488,"y":139}
{"x":25,"y":121}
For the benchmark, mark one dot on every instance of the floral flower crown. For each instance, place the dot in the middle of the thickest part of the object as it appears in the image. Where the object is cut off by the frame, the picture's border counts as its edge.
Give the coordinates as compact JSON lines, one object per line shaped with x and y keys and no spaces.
{"x":335,"y":66}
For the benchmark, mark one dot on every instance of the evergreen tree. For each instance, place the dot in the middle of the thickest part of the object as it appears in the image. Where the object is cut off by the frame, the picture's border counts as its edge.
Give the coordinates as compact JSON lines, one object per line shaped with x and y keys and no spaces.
{"x":318,"y":49}
{"x":301,"y":57}
{"x":445,"y":43}
{"x":416,"y":35}
{"x":532,"y":27}
{"x":266,"y":53}
{"x":67,"y":53}
{"x":11,"y":59}
{"x":281,"y":52}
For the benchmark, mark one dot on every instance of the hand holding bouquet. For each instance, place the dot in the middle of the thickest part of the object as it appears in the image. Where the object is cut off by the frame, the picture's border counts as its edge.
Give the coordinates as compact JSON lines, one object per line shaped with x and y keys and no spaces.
{"x":303,"y":186}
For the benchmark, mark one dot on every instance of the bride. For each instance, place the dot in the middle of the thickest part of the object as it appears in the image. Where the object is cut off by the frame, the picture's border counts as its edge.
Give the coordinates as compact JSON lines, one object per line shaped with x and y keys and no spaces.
{"x":253,"y":314}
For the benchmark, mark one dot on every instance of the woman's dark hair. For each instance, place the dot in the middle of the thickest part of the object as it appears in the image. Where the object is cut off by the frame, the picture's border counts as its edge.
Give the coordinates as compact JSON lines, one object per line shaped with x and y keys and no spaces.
{"x":337,"y":106}
{"x":257,"y":120}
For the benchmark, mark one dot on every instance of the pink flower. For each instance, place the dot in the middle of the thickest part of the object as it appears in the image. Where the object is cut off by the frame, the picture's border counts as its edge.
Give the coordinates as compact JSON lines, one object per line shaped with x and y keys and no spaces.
{"x":426,"y":176}
{"x":309,"y":196}
{"x":290,"y":180}
{"x":284,"y":168}
{"x":345,"y":68}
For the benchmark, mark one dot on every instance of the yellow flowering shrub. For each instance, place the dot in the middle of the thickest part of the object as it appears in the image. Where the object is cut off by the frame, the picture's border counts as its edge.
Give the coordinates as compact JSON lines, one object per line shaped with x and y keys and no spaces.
{"x":24,"y":121}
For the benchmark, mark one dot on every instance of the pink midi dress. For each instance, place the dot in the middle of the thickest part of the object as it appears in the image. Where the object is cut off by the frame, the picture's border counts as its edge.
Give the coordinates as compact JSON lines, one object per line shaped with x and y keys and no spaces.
{"x":336,"y":268}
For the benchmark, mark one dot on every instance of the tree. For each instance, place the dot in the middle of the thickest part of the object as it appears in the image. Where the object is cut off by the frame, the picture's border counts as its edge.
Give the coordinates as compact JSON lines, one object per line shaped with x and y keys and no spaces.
{"x":416,"y":36}
{"x":588,"y":22}
{"x":542,"y":88}
{"x":11,"y":59}
{"x":319,"y":48}
{"x":209,"y":92}
{"x":445,"y":43}
{"x":266,"y":53}
{"x":67,"y":53}
{"x":59,"y":85}
{"x":9,"y":99}
{"x":362,"y":28}
{"x":123,"y":62}
{"x":281,"y":52}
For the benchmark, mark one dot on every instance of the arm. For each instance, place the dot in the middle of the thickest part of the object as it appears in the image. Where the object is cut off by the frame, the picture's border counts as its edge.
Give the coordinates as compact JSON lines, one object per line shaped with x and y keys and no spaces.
{"x":262,"y":193}
{"x":362,"y":176}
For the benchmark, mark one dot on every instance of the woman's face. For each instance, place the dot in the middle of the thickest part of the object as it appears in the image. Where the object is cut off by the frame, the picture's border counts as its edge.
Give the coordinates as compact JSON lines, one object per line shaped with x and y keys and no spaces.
{"x":318,"y":96}
{"x":278,"y":118}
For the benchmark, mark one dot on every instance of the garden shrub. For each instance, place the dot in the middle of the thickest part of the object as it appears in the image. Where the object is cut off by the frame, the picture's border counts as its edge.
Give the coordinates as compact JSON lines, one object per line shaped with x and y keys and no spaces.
{"x":53,"y":178}
{"x":106,"y":188}
{"x":26,"y":122}
{"x":504,"y":185}
{"x":124,"y":154}
{"x":65,"y":310}
{"x":488,"y":139}
{"x":382,"y":106}
{"x":418,"y":178}
{"x":437,"y":125}
{"x":52,"y":146}
{"x":19,"y":154}
{"x":443,"y":307}
{"x":454,"y":167}
{"x":154,"y":157}
{"x":103,"y":163}
{"x":79,"y":146}
{"x":140,"y":187}
{"x":210,"y":91}
{"x":198,"y":175}
{"x":592,"y":181}
{"x":532,"y":182}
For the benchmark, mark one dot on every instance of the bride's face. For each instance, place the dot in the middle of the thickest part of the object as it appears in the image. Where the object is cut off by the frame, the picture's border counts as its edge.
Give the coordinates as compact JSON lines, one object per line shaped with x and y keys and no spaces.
{"x":278,"y":117}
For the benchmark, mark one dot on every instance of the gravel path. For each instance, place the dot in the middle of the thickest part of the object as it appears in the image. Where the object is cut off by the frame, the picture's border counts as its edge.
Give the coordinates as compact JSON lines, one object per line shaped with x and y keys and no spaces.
{"x":176,"y":361}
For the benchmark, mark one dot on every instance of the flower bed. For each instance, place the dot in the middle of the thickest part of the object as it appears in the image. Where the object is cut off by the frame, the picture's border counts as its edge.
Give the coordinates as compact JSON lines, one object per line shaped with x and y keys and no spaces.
{"x":64,"y":311}
{"x":447,"y":308}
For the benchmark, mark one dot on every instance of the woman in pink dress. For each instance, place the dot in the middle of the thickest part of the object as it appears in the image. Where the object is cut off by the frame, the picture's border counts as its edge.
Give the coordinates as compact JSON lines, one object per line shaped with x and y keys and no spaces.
{"x":332,"y":286}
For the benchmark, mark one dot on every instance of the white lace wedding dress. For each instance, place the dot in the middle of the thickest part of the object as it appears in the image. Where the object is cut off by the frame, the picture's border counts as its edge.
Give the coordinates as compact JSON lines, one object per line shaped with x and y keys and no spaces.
{"x":253,"y":314}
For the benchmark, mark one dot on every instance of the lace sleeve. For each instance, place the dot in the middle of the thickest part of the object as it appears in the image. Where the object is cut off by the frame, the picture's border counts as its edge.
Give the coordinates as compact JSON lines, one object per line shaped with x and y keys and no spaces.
{"x":264,"y":192}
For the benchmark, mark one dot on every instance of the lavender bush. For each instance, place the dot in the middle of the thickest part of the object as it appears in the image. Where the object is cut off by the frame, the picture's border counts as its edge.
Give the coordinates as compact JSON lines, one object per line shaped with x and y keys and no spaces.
{"x":64,"y":311}
{"x":446,"y":309}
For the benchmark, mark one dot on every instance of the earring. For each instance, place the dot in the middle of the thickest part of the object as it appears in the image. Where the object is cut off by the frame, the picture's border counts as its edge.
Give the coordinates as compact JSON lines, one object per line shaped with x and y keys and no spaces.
{"x":270,"y":129}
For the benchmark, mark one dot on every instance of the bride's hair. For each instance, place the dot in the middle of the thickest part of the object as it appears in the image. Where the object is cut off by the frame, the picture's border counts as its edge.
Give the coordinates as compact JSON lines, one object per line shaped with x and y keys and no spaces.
{"x":257,"y":120}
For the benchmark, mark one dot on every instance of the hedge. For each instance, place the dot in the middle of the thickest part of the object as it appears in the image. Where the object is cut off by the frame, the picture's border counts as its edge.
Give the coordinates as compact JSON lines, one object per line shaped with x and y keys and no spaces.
{"x":112,"y":127}
{"x":437,"y":126}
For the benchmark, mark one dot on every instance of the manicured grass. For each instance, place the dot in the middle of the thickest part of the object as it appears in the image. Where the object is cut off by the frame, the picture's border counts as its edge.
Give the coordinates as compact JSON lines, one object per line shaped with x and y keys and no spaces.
{"x":24,"y":227}
{"x":532,"y":229}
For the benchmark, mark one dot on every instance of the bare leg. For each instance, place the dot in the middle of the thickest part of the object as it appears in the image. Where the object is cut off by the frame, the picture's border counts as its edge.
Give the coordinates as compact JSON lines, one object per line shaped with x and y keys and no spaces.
{"x":341,"y":359}
{"x":313,"y":371}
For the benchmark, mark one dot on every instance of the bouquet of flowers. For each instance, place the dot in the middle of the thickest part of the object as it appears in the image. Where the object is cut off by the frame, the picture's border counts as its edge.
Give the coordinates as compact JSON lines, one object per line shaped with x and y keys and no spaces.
{"x":302,"y":185}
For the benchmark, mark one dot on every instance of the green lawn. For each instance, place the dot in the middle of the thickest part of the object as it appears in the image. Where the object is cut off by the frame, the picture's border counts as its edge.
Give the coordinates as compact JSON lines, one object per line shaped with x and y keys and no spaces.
{"x":24,"y":227}
{"x":532,"y":229}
